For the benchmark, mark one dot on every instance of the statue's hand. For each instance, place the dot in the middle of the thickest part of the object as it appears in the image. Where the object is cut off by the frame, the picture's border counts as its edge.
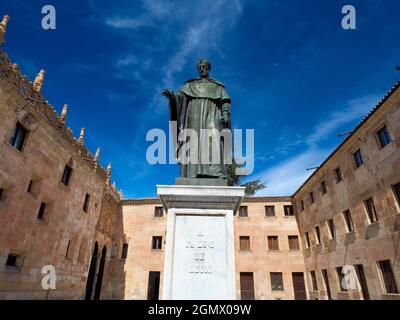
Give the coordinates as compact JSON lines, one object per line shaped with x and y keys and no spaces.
{"x":168,"y":94}
{"x":225,"y":117}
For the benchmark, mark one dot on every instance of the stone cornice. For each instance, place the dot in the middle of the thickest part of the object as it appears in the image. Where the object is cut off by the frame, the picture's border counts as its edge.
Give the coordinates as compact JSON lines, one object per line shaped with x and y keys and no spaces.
{"x":156,"y":201}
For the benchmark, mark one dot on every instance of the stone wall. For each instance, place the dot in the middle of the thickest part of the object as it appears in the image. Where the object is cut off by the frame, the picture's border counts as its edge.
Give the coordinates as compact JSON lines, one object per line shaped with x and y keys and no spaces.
{"x":370,"y":242}
{"x":140,"y":226}
{"x":65,"y":226}
{"x":260,"y":260}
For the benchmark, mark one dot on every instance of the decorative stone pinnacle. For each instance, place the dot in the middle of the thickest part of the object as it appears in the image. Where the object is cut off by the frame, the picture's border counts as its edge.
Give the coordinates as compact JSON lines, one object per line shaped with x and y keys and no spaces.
{"x":121,"y":195}
{"x":63,"y":116}
{"x":108,"y":174}
{"x":114,"y":186}
{"x":3,"y":28}
{"x":15,"y":68}
{"x":81,"y":137}
{"x":96,"y":157}
{"x":38,"y":83}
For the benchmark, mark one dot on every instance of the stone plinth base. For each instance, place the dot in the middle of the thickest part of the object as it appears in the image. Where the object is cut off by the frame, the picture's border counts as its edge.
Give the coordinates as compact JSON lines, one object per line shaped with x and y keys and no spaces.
{"x":199,"y":254}
{"x":201,"y":182}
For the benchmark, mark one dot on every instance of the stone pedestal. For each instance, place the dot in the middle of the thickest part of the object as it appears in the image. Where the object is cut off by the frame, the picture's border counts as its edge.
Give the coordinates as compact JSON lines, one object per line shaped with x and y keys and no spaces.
{"x":199,"y":253}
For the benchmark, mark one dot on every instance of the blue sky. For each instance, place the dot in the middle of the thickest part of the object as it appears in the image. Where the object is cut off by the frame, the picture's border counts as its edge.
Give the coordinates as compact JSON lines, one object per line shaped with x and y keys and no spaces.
{"x":293,"y":74}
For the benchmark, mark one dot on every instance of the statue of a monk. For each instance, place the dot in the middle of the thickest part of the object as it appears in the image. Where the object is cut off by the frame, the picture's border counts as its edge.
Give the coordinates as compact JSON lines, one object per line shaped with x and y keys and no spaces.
{"x":201,"y":103}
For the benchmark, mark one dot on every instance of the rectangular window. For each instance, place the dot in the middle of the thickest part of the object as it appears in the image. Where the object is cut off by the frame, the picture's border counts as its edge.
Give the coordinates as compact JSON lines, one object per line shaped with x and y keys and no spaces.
{"x":341,"y":279}
{"x":243,"y":211}
{"x":358,"y":158}
{"x":307,"y":237}
{"x":158,"y":212}
{"x":156,"y":243}
{"x":384,"y":137}
{"x":388,"y":277}
{"x":294,"y":243}
{"x":302,"y":205}
{"x":66,"y":175}
{"x":34,"y":186}
{"x":124,"y":251}
{"x":246,"y":286}
{"x":273,"y":243}
{"x":326,"y":283}
{"x":18,"y":137}
{"x":288,"y":210}
{"x":86,"y":202}
{"x":313,"y":281}
{"x":323,"y":187}
{"x":311,"y":195}
{"x":42,"y":210}
{"x":67,"y":252}
{"x":349,"y":220}
{"x":370,"y":207}
{"x":270,"y":211}
{"x":338,"y":175}
{"x":153,"y":288}
{"x":30,"y":187}
{"x":396,"y":190}
{"x":363,"y":281}
{"x":276,"y":281}
{"x":331,"y":227}
{"x":12,"y":260}
{"x":244,"y":243}
{"x":318,"y":234}
{"x":1,"y":194}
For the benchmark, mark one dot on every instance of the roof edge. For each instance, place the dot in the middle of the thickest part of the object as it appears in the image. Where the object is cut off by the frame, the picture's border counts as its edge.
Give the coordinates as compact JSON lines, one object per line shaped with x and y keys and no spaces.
{"x":154,"y":200}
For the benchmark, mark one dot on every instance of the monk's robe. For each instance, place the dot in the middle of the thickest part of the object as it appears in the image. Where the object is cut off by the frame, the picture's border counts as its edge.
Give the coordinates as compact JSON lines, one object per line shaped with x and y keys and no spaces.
{"x":200,"y":104}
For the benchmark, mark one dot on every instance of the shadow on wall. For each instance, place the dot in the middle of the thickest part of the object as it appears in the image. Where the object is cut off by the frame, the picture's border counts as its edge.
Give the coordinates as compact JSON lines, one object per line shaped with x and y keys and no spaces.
{"x":116,"y":275}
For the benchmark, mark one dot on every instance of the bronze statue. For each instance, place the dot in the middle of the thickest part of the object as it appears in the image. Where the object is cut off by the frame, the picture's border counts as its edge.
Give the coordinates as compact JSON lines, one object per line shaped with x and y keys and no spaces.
{"x":202,"y":103}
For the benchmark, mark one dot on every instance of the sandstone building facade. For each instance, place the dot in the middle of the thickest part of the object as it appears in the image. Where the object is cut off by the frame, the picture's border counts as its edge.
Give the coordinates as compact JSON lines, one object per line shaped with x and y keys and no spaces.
{"x":348,"y":211}
{"x":56,"y":201}
{"x":268,"y":254}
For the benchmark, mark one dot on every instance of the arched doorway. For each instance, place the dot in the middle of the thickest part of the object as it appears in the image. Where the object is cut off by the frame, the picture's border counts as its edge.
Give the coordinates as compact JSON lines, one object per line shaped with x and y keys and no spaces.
{"x":100,"y":274}
{"x":92,"y":272}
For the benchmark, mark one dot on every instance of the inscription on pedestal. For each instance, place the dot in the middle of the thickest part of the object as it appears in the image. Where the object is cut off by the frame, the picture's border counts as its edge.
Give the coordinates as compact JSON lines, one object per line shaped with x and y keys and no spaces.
{"x":201,"y":249}
{"x":199,"y":257}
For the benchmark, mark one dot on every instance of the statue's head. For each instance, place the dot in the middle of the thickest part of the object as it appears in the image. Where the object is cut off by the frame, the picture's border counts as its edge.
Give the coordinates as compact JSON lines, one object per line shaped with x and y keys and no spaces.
{"x":203,"y":67}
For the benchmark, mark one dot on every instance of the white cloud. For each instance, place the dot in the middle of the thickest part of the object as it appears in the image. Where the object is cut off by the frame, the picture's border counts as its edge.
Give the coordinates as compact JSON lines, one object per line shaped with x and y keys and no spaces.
{"x":153,"y":10}
{"x":126,"y":61}
{"x":119,"y":22}
{"x":286,"y":177}
{"x":191,"y":40}
{"x":197,"y":27}
{"x":159,"y":8}
{"x":354,"y":110}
